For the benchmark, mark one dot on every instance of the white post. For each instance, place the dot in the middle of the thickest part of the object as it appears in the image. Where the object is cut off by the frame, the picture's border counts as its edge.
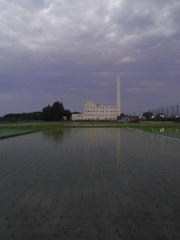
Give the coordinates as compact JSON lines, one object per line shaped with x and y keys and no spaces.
{"x":118,"y":95}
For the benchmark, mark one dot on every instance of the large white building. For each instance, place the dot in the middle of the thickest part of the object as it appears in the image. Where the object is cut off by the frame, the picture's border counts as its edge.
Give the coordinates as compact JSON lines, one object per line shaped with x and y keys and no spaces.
{"x":94,"y":111}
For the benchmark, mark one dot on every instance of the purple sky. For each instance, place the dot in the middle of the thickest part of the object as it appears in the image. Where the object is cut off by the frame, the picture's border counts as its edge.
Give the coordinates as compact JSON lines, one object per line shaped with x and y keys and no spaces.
{"x":71,"y":51}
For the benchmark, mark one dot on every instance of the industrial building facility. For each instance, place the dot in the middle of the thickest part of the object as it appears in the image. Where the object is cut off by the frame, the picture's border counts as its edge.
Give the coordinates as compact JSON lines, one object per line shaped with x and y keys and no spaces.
{"x":94,"y":111}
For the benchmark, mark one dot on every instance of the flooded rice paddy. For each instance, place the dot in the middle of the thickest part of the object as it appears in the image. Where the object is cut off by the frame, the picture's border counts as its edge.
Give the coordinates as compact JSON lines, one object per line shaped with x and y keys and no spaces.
{"x":89,"y":183}
{"x":6,"y":132}
{"x":172,"y":132}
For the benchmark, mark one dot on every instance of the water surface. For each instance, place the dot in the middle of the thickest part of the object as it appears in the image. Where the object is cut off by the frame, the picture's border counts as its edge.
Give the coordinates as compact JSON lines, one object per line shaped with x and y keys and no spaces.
{"x":89,"y":183}
{"x":172,"y":132}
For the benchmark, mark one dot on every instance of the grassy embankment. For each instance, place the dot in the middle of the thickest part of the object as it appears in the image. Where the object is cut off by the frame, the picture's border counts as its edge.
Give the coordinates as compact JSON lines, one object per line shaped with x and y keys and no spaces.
{"x":44,"y":125}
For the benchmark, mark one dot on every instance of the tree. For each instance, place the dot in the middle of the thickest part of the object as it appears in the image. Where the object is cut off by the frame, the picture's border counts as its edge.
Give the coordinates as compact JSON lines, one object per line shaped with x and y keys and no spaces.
{"x":47,"y":113}
{"x":67,"y":114}
{"x":148,"y":115}
{"x":54,"y":113}
{"x":57,"y":111}
{"x":23,"y":116}
{"x":160,"y":117}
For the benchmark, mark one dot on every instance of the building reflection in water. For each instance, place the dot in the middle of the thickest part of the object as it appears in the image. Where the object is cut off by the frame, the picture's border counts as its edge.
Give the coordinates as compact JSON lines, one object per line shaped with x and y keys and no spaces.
{"x":118,"y":147}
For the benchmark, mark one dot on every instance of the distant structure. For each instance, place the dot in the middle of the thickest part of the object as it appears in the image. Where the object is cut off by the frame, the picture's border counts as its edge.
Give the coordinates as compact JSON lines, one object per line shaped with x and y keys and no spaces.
{"x":118,"y":95}
{"x":93,"y":111}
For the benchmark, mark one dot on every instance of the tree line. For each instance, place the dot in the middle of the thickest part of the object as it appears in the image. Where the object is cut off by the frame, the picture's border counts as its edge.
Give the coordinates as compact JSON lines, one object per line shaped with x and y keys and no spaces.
{"x":159,"y":117}
{"x":56,"y":112}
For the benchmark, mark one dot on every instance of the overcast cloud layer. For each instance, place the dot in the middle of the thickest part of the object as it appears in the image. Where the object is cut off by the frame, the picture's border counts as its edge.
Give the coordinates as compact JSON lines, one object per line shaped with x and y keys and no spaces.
{"x":71,"y":51}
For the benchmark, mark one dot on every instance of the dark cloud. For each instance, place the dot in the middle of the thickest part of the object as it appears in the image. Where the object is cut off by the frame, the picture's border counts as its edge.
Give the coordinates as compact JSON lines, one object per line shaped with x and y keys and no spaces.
{"x":72,"y":50}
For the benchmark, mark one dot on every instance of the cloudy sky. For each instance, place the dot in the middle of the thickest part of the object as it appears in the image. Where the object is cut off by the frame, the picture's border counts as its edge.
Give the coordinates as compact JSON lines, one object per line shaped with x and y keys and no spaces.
{"x":71,"y":51}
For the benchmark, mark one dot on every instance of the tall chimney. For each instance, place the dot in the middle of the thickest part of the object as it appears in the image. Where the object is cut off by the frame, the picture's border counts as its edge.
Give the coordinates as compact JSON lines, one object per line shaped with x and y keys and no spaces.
{"x":118,"y":95}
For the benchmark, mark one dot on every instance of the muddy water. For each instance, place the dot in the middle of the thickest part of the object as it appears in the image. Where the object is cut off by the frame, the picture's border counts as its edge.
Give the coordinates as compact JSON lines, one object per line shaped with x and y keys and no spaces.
{"x":89,"y":183}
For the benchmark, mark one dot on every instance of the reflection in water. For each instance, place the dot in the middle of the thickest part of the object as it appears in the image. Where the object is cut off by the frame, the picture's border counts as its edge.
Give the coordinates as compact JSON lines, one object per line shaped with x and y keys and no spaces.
{"x":4,"y":132}
{"x":172,"y":132}
{"x":118,"y":146}
{"x":161,"y":130}
{"x":50,"y":191}
{"x":88,"y":133}
{"x":98,"y":137}
{"x":56,"y":134}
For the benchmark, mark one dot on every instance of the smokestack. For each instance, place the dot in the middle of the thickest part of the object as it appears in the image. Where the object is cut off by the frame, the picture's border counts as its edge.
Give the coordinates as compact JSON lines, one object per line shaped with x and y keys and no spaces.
{"x":118,"y":95}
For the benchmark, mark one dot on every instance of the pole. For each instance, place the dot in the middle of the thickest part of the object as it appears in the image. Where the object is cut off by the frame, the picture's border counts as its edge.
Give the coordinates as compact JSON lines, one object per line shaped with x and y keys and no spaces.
{"x":118,"y":95}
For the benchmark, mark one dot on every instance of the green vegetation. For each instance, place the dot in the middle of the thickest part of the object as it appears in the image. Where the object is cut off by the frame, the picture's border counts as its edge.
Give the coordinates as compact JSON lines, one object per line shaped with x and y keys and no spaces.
{"x":56,"y":112}
{"x":42,"y":124}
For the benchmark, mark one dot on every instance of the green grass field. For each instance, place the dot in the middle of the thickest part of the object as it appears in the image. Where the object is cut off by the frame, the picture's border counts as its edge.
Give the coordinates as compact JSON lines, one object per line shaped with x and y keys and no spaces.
{"x":44,"y":125}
